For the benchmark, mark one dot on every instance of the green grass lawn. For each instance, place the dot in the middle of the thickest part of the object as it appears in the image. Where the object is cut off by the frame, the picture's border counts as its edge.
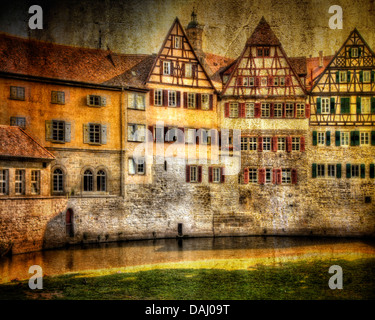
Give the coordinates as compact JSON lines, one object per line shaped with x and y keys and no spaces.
{"x":301,"y":279}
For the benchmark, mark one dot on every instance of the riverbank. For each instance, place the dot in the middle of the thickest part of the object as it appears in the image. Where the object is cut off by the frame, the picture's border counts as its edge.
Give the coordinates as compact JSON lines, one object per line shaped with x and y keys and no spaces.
{"x":245,"y":279}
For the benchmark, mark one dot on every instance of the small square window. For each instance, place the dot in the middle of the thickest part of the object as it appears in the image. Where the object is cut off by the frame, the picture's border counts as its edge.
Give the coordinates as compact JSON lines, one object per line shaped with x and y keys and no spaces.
{"x":18,"y":121}
{"x":136,"y":166}
{"x":58,"y":97}
{"x":17,"y":93}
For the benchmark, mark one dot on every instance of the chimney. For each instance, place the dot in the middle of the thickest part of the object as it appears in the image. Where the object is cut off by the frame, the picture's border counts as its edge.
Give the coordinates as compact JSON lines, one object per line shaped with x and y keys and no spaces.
{"x":320,"y":59}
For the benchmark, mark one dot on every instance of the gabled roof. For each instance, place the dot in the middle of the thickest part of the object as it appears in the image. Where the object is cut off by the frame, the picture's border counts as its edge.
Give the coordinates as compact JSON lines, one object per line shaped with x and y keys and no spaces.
{"x":263,"y":35}
{"x":16,"y":143}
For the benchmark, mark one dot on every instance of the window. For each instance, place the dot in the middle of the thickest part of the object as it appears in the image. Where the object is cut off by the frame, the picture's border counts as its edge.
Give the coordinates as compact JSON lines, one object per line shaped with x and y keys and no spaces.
{"x":233,"y":110}
{"x":158,"y":97}
{"x":264,"y":81}
{"x":253,"y":143}
{"x":295,"y":143}
{"x":191,"y":100}
{"x":245,"y":81}
{"x":320,"y":170}
{"x":251,"y":81}
{"x":193,"y":174}
{"x":19,"y":182}
{"x":190,"y":136}
{"x":172,"y":98}
{"x":266,"y":110}
{"x":253,"y":175}
{"x":35,"y":181}
{"x":244,"y":144}
{"x":321,"y":138}
{"x":266,"y":52}
{"x":331,"y":170}
{"x":166,"y":67}
{"x":94,"y":133}
{"x":18,"y":121}
{"x":17,"y":93}
{"x":58,"y":131}
{"x":216,"y":173}
{"x":289,"y":110}
{"x":300,"y":110}
{"x":4,"y":181}
{"x":266,"y":143}
{"x":136,"y":132}
{"x":366,"y":76}
{"x":268,"y":177}
{"x":282,"y":81}
{"x":343,"y":77}
{"x":281,"y":144}
{"x":260,"y":52}
{"x":365,"y":105}
{"x":354,"y":52}
{"x":249,"y":110}
{"x":58,"y":180}
{"x":275,"y":81}
{"x":177,"y":42}
{"x":345,"y":138}
{"x":365,"y":138}
{"x":88,"y":181}
{"x":205,"y":101}
{"x":286,"y":176}
{"x":136,"y":101}
{"x":96,"y":101}
{"x":58,"y":97}
{"x":278,"y":110}
{"x":325,"y":106}
{"x":101,"y":181}
{"x":355,"y":170}
{"x":137,"y":166}
{"x":188,"y":70}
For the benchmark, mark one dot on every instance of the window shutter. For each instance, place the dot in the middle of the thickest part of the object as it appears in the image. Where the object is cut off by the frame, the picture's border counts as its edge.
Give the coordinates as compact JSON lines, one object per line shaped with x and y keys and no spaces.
{"x":373,"y":138}
{"x":338,"y":170}
{"x":337,"y":138}
{"x":187,"y":173}
{"x":372,"y":171}
{"x":222,"y":175}
{"x":198,"y":96}
{"x":239,"y":81}
{"x":307,"y":111}
{"x":226,"y":111}
{"x":88,"y":99}
{"x":211,"y":101}
{"x":172,"y":68}
{"x":166,"y":134}
{"x":257,"y":81}
{"x":372,"y":76}
{"x":356,"y":138}
{"x":289,"y":144}
{"x":284,"y":110}
{"x":274,"y":178}
{"x":274,"y":143}
{"x":48,"y":130}
{"x":257,"y":110}
{"x":161,"y":66}
{"x":352,"y":139}
{"x":178,"y":97}
{"x":86,"y":136}
{"x":319,"y":105}
{"x":288,"y":81}
{"x":260,"y":144}
{"x":348,"y":170}
{"x":315,"y":138}
{"x":363,"y":171}
{"x":199,"y":173}
{"x":302,"y":144}
{"x":151,"y":129}
{"x":272,"y":110}
{"x":294,"y":176}
{"x":295,"y":110}
{"x":246,"y":175}
{"x":348,"y":77}
{"x":278,"y":171}
{"x":345,"y":105}
{"x":261,"y":176}
{"x":359,"y":51}
{"x":151,"y":93}
{"x":358,"y":105}
{"x":183,"y":70}
{"x":185,"y":100}
{"x":67,"y":131}
{"x":269,"y":80}
{"x":332,"y":105}
{"x":328,"y":138}
{"x":337,"y":77}
{"x":242,"y":110}
{"x":373,"y":105}
{"x":361,"y":76}
{"x":209,"y":174}
{"x":103,"y":136}
{"x":103,"y":101}
{"x":165,"y":98}
{"x":131,"y":166}
{"x":313,"y":170}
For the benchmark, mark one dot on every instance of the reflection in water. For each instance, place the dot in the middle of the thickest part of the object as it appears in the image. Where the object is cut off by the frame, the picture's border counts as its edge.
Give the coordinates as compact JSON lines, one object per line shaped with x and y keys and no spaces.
{"x":124,"y":254}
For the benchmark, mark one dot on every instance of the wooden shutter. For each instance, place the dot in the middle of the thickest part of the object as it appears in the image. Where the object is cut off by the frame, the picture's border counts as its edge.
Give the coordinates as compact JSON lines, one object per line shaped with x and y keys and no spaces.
{"x":315,"y":138}
{"x":161,"y":66}
{"x":246,"y":175}
{"x":272,"y":110}
{"x":210,"y":173}
{"x":199,"y":173}
{"x":67,"y":136}
{"x":198,"y":97}
{"x":103,"y":136}
{"x":363,"y":171}
{"x":373,"y":105}
{"x":284,"y":110}
{"x":222,"y":175}
{"x":257,"y":81}
{"x":48,"y":130}
{"x":226,"y":111}
{"x":361,"y":76}
{"x":278,"y":171}
{"x":288,"y":144}
{"x":242,"y":110}
{"x":294,"y":176}
{"x":88,"y":99}
{"x":352,"y":139}
{"x":178,"y":97}
{"x":165,"y":98}
{"x":313,"y":170}
{"x":288,"y":81}
{"x":302,"y":144}
{"x":185,"y":100}
{"x":257,"y":110}
{"x":151,"y":93}
{"x":337,"y":138}
{"x":348,"y":77}
{"x":307,"y":111}
{"x":274,"y":176}
{"x":358,"y":105}
{"x":372,"y":76}
{"x":151,"y":129}
{"x":295,"y":110}
{"x":328,"y":138}
{"x":260,"y":144}
{"x":373,"y":138}
{"x":103,"y":101}
{"x":332,"y":105}
{"x":172,"y":68}
{"x":211,"y":101}
{"x":86,"y":135}
{"x":345,"y":106}
{"x":269,"y":81}
{"x":239,"y":81}
{"x":318,"y":105}
{"x":348,"y":170}
{"x":337,"y":77}
{"x":187,"y":173}
{"x":338,"y":170}
{"x":372,"y":171}
{"x":274,"y":143}
{"x":261,"y":176}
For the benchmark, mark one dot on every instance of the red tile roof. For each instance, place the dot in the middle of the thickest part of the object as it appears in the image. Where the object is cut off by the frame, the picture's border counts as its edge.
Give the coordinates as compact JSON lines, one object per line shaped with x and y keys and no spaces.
{"x":16,"y":143}
{"x":314,"y":70}
{"x":44,"y":59}
{"x":263,"y":35}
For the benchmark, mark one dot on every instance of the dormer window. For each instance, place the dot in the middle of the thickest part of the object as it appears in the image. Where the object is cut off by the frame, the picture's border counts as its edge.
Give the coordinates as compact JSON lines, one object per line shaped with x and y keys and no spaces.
{"x":260,"y":52}
{"x":263,"y":52}
{"x":266,"y":52}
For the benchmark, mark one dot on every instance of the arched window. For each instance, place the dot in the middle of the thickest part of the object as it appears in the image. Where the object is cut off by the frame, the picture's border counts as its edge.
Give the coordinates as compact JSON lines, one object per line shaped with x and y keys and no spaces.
{"x":101,"y":180}
{"x":88,"y":180}
{"x":58,"y":180}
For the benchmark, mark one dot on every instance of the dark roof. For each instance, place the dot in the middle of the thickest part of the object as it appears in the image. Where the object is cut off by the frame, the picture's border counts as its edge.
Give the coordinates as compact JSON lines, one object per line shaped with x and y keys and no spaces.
{"x":299,"y":64}
{"x":49,"y":60}
{"x":263,"y":35}
{"x":16,"y":143}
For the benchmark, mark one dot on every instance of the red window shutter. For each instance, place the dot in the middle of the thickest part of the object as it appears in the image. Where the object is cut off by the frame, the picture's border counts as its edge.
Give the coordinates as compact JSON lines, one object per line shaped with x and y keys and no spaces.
{"x":178,"y":102}
{"x":183,"y":70}
{"x":294,"y":176}
{"x":226,"y":106}
{"x":151,"y":93}
{"x":222,"y":175}
{"x":242,"y":110}
{"x":274,"y":178}
{"x":295,"y":110}
{"x":272,"y":110}
{"x":270,"y":81}
{"x":278,"y":176}
{"x":289,"y":144}
{"x":161,"y":66}
{"x":307,"y":111}
{"x":165,"y":98}
{"x":257,"y":110}
{"x":187,"y":173}
{"x":257,"y":81}
{"x":210,"y":174}
{"x":198,"y":96}
{"x":200,"y":174}
{"x":274,"y":143}
{"x":302,"y":144}
{"x":185,"y":100}
{"x":198,"y":137}
{"x":284,"y":110}
{"x":172,"y":68}
{"x":151,"y":129}
{"x":211,"y":101}
{"x":246,"y":175}
{"x":260,"y":144}
{"x":261,"y":176}
{"x":239,"y":81}
{"x":288,"y":81}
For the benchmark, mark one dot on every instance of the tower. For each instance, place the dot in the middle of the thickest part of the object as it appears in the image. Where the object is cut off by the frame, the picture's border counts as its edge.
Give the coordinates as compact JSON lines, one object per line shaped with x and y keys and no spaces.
{"x":194,"y":32}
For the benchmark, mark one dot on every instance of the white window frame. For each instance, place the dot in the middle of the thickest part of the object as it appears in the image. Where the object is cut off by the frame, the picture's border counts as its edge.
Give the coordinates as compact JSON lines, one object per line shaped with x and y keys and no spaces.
{"x":245,"y":81}
{"x":300,"y":112}
{"x":344,"y":138}
{"x":233,"y":110}
{"x":35,"y":181}
{"x":253,"y":175}
{"x":365,"y":105}
{"x":320,"y":170}
{"x":281,"y":144}
{"x":172,"y":98}
{"x":331,"y":171}
{"x":268,"y":175}
{"x":321,"y":137}
{"x":193,"y":173}
{"x":4,"y":181}
{"x":137,"y":101}
{"x":188,"y":70}
{"x":136,"y":132}
{"x":134,"y":167}
{"x":158,"y":97}
{"x":265,"y":110}
{"x":325,"y":105}
{"x":205,"y":97}
{"x":282,"y":81}
{"x":264,"y":81}
{"x":190,"y":136}
{"x":177,"y":42}
{"x":366,"y":76}
{"x":289,"y":110}
{"x":267,"y":143}
{"x":296,"y":143}
{"x":354,"y":52}
{"x":192,"y":100}
{"x":249,"y":110}
{"x":244,"y":143}
{"x":19,"y":182}
{"x":251,"y":81}
{"x":286,"y":176}
{"x":278,"y":110}
{"x":355,"y":171}
{"x":167,"y":68}
{"x":216,"y":175}
{"x":364,"y":139}
{"x":253,"y":143}
{"x":275,"y":81}
{"x":343,"y":76}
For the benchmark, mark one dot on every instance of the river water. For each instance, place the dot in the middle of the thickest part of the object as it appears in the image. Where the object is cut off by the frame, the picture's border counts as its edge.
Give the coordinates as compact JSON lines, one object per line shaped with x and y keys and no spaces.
{"x":148,"y":252}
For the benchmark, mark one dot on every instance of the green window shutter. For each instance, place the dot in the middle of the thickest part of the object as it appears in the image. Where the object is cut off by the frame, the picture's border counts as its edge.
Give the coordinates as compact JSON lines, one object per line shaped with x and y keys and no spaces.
{"x":361,"y":76}
{"x":345,"y":105}
{"x":350,"y":52}
{"x":358,"y":105}
{"x":338,"y":170}
{"x":315,"y":138}
{"x":356,"y":138}
{"x":372,"y":104}
{"x":332,"y":105}
{"x":348,"y":77}
{"x":348,"y":170}
{"x":372,"y":171}
{"x":337,"y":77}
{"x":372,"y":76}
{"x":352,"y":140}
{"x":359,"y":51}
{"x":363,"y":171}
{"x":319,"y":106}
{"x":328,"y":138}
{"x":314,"y":170}
{"x":337,"y":138}
{"x":373,"y":138}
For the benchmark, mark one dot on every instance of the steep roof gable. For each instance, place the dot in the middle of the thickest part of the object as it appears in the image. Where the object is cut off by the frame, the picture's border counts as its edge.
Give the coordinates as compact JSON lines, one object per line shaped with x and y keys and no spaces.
{"x":263,"y":35}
